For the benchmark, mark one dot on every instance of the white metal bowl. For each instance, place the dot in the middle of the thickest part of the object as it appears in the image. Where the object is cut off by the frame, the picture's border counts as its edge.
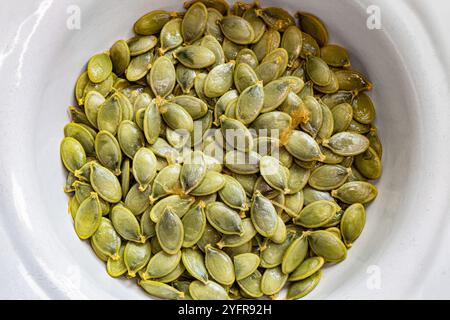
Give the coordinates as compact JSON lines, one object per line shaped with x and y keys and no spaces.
{"x":403,"y":251}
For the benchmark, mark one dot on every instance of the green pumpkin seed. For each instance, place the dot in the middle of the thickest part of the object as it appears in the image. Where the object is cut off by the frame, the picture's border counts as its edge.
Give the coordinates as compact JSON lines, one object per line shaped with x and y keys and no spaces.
{"x":161,"y":290}
{"x":292,"y":42}
{"x":212,"y":26}
{"x":194,"y":262}
{"x":152,"y":22}
{"x":328,"y":177}
{"x":280,"y":234}
{"x":209,"y":236}
{"x":310,"y":46}
{"x":171,"y":35}
{"x":161,"y":264}
{"x":375,"y":142}
{"x":108,"y":151}
{"x":357,"y":127}
{"x":139,"y":66}
{"x":369,"y":164}
{"x":301,"y":288}
{"x":162,"y":77}
{"x":250,"y":103}
{"x":342,"y":116}
{"x":352,"y":223}
{"x":174,"y":275}
{"x":193,"y":171}
{"x":248,"y":57}
{"x":185,"y":78}
{"x":237,"y":30}
{"x":152,"y":123}
{"x":327,"y":129}
{"x":307,"y":268}
{"x":131,"y":138}
{"x":219,"y":265}
{"x":332,"y":100}
{"x":258,"y":25}
{"x":82,"y":190}
{"x":88,"y":217}
{"x":244,"y":77}
{"x":99,"y":67}
{"x":303,"y":147}
{"x":347,"y":144}
{"x":264,"y":216}
{"x":126,"y":224}
{"x":293,"y":204}
{"x":276,"y":18}
{"x":68,"y":188}
{"x":141,"y":45}
{"x":244,"y":248}
{"x":316,"y":214}
{"x":93,"y":102}
{"x":245,"y":264}
{"x":144,"y":168}
{"x":236,"y":134}
{"x":269,"y":41}
{"x":109,"y":115}
{"x":194,"y":222}
{"x":231,"y":49}
{"x":211,"y":184}
{"x":318,"y":71}
{"x":179,"y":205}
{"x":274,"y":173}
{"x":80,"y":86}
{"x":147,"y":225}
{"x":363,"y":109}
{"x":72,"y":154}
{"x":275,"y":93}
{"x":120,"y":56}
{"x":314,"y":27}
{"x":80,"y":133}
{"x":251,"y":285}
{"x":335,"y":56}
{"x":78,"y":116}
{"x":312,"y":195}
{"x":235,"y":240}
{"x":298,"y":178}
{"x":224,"y":219}
{"x":356,"y":192}
{"x":315,"y":116}
{"x":272,"y":281}
{"x":176,"y":117}
{"x":233,"y":194}
{"x":212,"y":44}
{"x":104,"y":87}
{"x":116,"y":268}
{"x":105,"y":183}
{"x":326,"y":245}
{"x":170,"y":232}
{"x":350,"y":80}
{"x":136,"y":200}
{"x":194,"y":22}
{"x":219,"y":80}
{"x":207,"y":291}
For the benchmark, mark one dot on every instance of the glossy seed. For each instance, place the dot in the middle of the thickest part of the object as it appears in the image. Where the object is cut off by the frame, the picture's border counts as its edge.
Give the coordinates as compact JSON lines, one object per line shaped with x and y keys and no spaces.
{"x":272,"y":281}
{"x":93,"y":102}
{"x":313,"y":26}
{"x":237,"y":30}
{"x":108,"y":151}
{"x":161,"y":290}
{"x":179,"y":205}
{"x":116,"y":268}
{"x":244,"y":77}
{"x":171,"y":36}
{"x":139,"y":66}
{"x":307,"y":268}
{"x":152,"y":22}
{"x":185,"y":77}
{"x":315,"y":116}
{"x":176,"y":117}
{"x":356,"y":192}
{"x":317,"y":214}
{"x":211,"y":184}
{"x":152,"y":123}
{"x":110,"y":115}
{"x":82,"y":134}
{"x":224,"y":219}
{"x":141,"y":45}
{"x":292,"y":42}
{"x":350,"y":80}
{"x":105,"y":183}
{"x":301,"y":288}
{"x":276,"y":18}
{"x":120,"y":56}
{"x":342,"y":116}
{"x":207,"y":291}
{"x":247,"y":56}
{"x":162,"y":77}
{"x":274,"y":173}
{"x":236,"y":134}
{"x":258,"y":25}
{"x":303,"y":147}
{"x":144,"y":168}
{"x":235,"y":240}
{"x":328,"y":177}
{"x":264,"y":216}
{"x":251,"y":285}
{"x":147,"y":225}
{"x":245,"y":264}
{"x":269,"y":41}
{"x":375,"y":142}
{"x":72,"y":154}
{"x":250,"y":103}
{"x":170,"y":232}
{"x":99,"y":67}
{"x":161,"y":264}
{"x":126,"y":224}
{"x":327,"y":128}
{"x":335,"y":56}
{"x":219,"y":80}
{"x":136,"y":200}
{"x":318,"y":71}
{"x":233,"y":194}
{"x":298,"y":178}
{"x":212,"y":26}
{"x":219,"y":265}
{"x":88,"y":217}
{"x":194,"y":222}
{"x":347,"y":144}
{"x":215,"y":46}
{"x":326,"y":245}
{"x":363,"y":109}
{"x":194,"y":262}
{"x":369,"y":164}
{"x":352,"y":223}
{"x":193,"y":171}
{"x":194,"y":22}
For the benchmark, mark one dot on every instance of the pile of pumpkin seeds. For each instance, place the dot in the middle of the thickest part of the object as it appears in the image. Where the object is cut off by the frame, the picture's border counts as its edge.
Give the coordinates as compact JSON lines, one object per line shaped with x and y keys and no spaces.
{"x":167,"y":196}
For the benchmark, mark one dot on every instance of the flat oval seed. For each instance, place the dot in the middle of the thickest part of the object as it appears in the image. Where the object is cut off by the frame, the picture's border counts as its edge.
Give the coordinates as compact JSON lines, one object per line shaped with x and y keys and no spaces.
{"x":144,"y":168}
{"x":244,"y":77}
{"x":72,"y":154}
{"x":335,"y":56}
{"x":294,"y":255}
{"x":292,"y":42}
{"x":194,"y":106}
{"x":301,"y":288}
{"x":350,"y":80}
{"x":251,"y":285}
{"x":141,"y":45}
{"x":318,"y":71}
{"x":356,"y":192}
{"x":327,"y":245}
{"x":275,"y":93}
{"x":236,"y":134}
{"x":352,"y":223}
{"x":92,"y":104}
{"x":298,"y":178}
{"x":315,"y":116}
{"x":242,"y":163}
{"x":276,"y":18}
{"x":231,"y":49}
{"x":120,"y":56}
{"x":219,"y":265}
{"x":307,"y":268}
{"x":328,"y":177}
{"x":237,"y":30}
{"x":314,"y":27}
{"x":264,"y":216}
{"x":105,"y":183}
{"x":99,"y":67}
{"x":152,"y":123}
{"x":207,"y":291}
{"x":161,"y":264}
{"x":88,"y":217}
{"x":110,"y":115}
{"x":171,"y":36}
{"x":194,"y":223}
{"x":248,"y":57}
{"x":233,"y":194}
{"x":116,"y":268}
{"x":347,"y":144}
{"x":180,"y":205}
{"x":219,"y":80}
{"x":170,"y":232}
{"x":161,"y":290}
{"x":369,"y":164}
{"x":342,"y":116}
{"x":269,"y":41}
{"x":82,"y":134}
{"x":162,"y":77}
{"x":108,"y":151}
{"x":279,"y":56}
{"x":363,"y":109}
{"x":215,"y":46}
{"x":303,"y":147}
{"x":136,"y":256}
{"x":139,"y":66}
{"x":194,"y":22}
{"x":126,"y":224}
{"x":245,"y":264}
{"x":212,"y":26}
{"x":194,"y":262}
{"x":312,"y":195}
{"x":258,"y":25}
{"x":152,"y":22}
{"x":130,"y":137}
{"x":185,"y":77}
{"x":327,"y":129}
{"x":224,"y":219}
{"x":176,"y":117}
{"x":211,"y":184}
{"x":80,"y":86}
{"x":232,"y":241}
{"x":147,"y":225}
{"x":137,"y":201}
{"x":250,"y":103}
{"x":193,"y":171}
{"x":375,"y":142}
{"x":174,"y":275}
{"x":316,"y":214}
{"x":274,"y":173}
{"x":273,"y":280}
{"x":166,"y":182}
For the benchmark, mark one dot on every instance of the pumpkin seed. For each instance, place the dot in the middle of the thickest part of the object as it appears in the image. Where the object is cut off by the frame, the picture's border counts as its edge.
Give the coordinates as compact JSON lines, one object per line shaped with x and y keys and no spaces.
{"x":251,"y":285}
{"x":170,"y":232}
{"x":194,"y":22}
{"x":335,"y":56}
{"x":250,"y":103}
{"x":315,"y":118}
{"x":245,"y":264}
{"x":212,"y":25}
{"x":356,"y":192}
{"x":108,"y":151}
{"x":301,"y":288}
{"x":292,"y":42}
{"x":219,"y":80}
{"x":347,"y":144}
{"x":141,"y":45}
{"x":276,"y":18}
{"x":136,"y":256}
{"x":174,"y":275}
{"x":105,"y":183}
{"x":220,"y":5}
{"x":303,"y":147}
{"x":274,"y":173}
{"x":207,"y":291}
{"x":176,"y":117}
{"x":144,"y":168}
{"x":80,"y":133}
{"x":136,"y":200}
{"x":139,"y":66}
{"x":162,"y":77}
{"x":328,"y":177}
{"x":224,"y":219}
{"x":272,"y":281}
{"x":352,"y":223}
{"x":194,"y":262}
{"x":126,"y":224}
{"x":116,"y":268}
{"x":88,"y":217}
{"x":195,"y":57}
{"x":327,"y":129}
{"x":332,"y":100}
{"x":219,"y":265}
{"x":194,"y":222}
{"x":99,"y":67}
{"x":257,"y":24}
{"x":161,"y":290}
{"x":179,"y":205}
{"x":316,"y":214}
{"x":369,"y":164}
{"x":269,"y":41}
{"x":350,"y":80}
{"x":72,"y":154}
{"x":233,"y":194}
{"x":231,"y":49}
{"x":307,"y":268}
{"x":152,"y":22}
{"x":147,"y":225}
{"x":313,"y":26}
{"x":185,"y":77}
{"x":275,"y":93}
{"x":161,"y":264}
{"x":235,"y":240}
{"x":326,"y":245}
{"x":92,"y":103}
{"x":263,"y":215}
{"x":318,"y":71}
{"x":237,"y":30}
{"x":342,"y":116}
{"x":310,"y":46}
{"x":375,"y":142}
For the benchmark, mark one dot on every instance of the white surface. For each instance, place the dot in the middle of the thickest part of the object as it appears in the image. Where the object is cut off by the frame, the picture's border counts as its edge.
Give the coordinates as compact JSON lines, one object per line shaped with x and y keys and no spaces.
{"x":408,"y":226}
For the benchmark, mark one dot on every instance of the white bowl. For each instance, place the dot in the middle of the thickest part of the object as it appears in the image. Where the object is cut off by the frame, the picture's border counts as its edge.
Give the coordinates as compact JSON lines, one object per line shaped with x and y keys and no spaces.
{"x":403,"y":251}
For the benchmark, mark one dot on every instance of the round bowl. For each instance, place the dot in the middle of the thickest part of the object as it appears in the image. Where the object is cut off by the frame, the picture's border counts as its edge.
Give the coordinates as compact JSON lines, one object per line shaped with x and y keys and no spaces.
{"x":401,"y":251}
